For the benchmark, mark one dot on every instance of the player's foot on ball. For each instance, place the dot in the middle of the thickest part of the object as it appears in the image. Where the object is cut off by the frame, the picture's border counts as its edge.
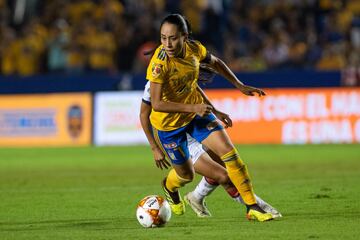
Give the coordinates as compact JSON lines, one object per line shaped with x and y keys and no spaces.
{"x":177,"y":205}
{"x":199,"y":206}
{"x":253,"y":214}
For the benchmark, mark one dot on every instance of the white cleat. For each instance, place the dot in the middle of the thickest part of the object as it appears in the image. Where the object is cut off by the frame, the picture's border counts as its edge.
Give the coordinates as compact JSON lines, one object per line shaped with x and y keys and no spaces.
{"x":198,"y":206}
{"x":270,"y":209}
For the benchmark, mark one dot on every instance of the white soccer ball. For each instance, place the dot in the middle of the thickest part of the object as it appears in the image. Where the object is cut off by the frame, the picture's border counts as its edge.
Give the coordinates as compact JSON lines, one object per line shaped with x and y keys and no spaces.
{"x":153,"y":211}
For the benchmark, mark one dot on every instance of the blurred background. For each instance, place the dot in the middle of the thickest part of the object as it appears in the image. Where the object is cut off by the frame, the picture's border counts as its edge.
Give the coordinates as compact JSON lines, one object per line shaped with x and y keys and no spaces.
{"x":110,"y":36}
{"x":305,"y":53}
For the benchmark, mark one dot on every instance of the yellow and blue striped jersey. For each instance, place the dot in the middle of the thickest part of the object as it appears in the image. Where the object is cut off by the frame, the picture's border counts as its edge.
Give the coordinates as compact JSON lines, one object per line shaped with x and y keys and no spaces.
{"x":178,"y":77}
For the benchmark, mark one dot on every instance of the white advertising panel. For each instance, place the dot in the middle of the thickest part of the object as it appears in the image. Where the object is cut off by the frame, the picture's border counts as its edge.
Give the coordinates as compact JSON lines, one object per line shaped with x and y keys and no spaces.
{"x":116,"y":118}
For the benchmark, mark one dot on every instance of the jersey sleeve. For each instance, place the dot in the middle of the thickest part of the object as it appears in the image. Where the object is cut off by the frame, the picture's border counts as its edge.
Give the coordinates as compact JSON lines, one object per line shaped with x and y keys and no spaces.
{"x":156,"y":69}
{"x":203,"y":53}
{"x":146,"y":96}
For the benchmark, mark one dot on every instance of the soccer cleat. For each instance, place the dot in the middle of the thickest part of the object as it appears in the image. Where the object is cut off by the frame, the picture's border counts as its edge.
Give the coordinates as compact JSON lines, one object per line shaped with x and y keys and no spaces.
{"x":256,"y":215}
{"x":270,"y":209}
{"x":199,"y":207}
{"x":177,"y":205}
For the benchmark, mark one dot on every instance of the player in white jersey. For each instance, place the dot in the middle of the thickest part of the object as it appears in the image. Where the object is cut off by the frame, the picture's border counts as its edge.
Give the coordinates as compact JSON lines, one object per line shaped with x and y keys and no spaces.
{"x":209,"y":167}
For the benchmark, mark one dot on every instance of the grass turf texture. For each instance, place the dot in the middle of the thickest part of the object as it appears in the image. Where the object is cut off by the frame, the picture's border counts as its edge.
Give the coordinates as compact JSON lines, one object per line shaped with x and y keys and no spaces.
{"x":91,"y":193}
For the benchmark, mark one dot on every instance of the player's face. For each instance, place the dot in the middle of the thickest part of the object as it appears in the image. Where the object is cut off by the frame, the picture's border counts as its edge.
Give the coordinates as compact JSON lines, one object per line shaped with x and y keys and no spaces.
{"x":172,"y":39}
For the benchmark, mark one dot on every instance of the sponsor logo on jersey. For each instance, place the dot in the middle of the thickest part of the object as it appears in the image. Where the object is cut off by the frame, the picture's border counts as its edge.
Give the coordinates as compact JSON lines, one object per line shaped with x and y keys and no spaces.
{"x":156,"y":70}
{"x":170,"y":145}
{"x":171,"y":155}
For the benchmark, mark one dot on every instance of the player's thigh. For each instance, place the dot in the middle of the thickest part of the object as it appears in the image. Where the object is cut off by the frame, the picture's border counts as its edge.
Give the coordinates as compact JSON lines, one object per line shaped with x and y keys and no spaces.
{"x":214,"y":156}
{"x":218,"y":142}
{"x":207,"y":167}
{"x":211,"y":133}
{"x":185,"y":169}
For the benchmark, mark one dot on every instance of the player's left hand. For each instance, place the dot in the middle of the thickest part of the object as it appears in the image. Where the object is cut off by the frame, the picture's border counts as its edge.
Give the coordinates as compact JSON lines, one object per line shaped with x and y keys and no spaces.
{"x":251,"y":91}
{"x":224,"y":118}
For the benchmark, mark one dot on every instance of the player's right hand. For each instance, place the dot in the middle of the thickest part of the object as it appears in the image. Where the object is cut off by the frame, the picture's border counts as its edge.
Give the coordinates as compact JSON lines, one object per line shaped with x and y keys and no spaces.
{"x":251,"y":91}
{"x":224,"y":118}
{"x":160,"y":160}
{"x":203,"y":109}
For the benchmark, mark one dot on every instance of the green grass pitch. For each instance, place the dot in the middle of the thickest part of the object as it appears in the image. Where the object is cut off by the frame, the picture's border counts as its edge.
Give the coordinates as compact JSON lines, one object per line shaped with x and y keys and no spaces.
{"x":91,"y":193}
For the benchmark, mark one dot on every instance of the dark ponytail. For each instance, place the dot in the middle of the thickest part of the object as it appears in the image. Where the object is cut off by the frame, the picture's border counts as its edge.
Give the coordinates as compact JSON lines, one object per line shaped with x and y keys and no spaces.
{"x":206,"y":73}
{"x":188,"y":27}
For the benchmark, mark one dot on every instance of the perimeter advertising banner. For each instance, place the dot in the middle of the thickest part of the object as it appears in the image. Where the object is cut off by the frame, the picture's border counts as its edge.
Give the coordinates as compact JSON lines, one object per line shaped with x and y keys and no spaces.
{"x":116,"y":118}
{"x":292,"y":116}
{"x":45,"y":120}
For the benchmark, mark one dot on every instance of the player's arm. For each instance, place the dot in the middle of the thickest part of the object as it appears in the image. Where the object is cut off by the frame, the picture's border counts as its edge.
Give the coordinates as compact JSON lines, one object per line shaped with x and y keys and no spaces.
{"x":145,"y":111}
{"x":159,"y":156}
{"x":223,"y":117}
{"x":164,"y":106}
{"x":226,"y":72}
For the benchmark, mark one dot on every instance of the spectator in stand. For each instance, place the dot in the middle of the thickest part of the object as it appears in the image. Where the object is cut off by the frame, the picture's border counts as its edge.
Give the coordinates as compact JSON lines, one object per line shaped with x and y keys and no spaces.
{"x":28,"y":50}
{"x":276,"y":51}
{"x":57,"y":53}
{"x":77,"y":10}
{"x":76,"y":52}
{"x":8,"y":47}
{"x":101,"y":49}
{"x":109,"y":11}
{"x":332,"y":58}
{"x":282,"y":34}
{"x":351,"y":74}
{"x":142,"y":60}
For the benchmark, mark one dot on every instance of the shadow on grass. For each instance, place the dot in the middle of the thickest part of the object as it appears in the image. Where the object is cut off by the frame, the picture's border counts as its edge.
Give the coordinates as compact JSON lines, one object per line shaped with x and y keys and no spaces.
{"x":87,"y":224}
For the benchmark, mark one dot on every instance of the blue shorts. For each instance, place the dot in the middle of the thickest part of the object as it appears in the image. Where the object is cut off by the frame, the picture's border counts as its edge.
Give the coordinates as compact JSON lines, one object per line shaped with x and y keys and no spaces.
{"x":174,"y":143}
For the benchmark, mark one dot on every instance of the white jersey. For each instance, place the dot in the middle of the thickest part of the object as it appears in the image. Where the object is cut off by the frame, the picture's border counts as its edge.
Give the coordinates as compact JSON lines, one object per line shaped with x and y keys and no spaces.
{"x":146,"y":95}
{"x":195,"y":148}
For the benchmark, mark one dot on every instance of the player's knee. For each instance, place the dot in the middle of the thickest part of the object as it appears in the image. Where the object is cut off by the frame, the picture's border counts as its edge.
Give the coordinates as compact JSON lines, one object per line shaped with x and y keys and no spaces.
{"x":223,"y":178}
{"x":189,"y":177}
{"x":186,"y":177}
{"x":186,"y":180}
{"x":226,"y":149}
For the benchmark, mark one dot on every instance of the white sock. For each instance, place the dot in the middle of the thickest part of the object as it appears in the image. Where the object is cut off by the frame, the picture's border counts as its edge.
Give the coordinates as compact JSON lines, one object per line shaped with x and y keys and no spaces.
{"x":239,"y":199}
{"x":259,"y":201}
{"x":203,"y":189}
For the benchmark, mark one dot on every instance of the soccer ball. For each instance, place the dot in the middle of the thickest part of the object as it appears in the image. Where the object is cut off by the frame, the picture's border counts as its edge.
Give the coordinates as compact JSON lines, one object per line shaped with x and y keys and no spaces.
{"x":153,"y":211}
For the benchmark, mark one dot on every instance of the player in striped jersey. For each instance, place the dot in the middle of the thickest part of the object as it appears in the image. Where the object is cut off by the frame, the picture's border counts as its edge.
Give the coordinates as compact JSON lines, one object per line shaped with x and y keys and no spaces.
{"x":210,"y":167}
{"x":178,"y":109}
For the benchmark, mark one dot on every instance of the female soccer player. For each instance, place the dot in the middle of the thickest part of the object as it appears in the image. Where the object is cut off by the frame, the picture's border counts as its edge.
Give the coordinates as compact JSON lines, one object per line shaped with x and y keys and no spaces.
{"x":178,"y":109}
{"x":213,"y":172}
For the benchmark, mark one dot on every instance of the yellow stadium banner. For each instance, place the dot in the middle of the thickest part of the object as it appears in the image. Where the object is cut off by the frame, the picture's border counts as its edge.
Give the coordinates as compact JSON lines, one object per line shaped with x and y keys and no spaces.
{"x":292,"y":116}
{"x":45,"y":120}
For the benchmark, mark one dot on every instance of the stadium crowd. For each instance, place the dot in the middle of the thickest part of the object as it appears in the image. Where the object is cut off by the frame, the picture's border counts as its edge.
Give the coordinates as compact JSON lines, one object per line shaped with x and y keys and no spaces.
{"x":110,"y":36}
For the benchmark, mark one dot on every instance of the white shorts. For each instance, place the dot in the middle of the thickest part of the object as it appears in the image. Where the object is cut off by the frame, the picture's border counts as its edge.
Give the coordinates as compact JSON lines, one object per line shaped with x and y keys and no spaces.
{"x":195,"y":148}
